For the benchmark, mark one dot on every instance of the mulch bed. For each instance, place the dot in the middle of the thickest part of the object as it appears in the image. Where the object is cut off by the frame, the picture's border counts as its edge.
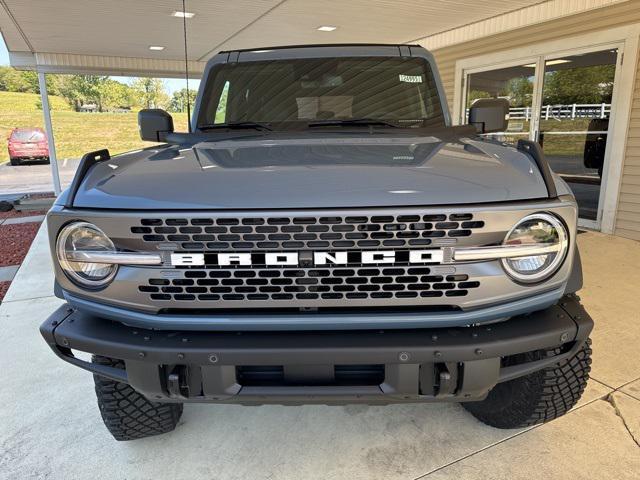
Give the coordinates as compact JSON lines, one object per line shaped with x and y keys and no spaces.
{"x":4,"y":286}
{"x":15,"y":241}
{"x":17,"y":214}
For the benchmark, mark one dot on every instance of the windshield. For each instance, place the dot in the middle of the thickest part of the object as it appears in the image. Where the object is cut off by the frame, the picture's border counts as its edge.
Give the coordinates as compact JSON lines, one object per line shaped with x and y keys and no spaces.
{"x":293,"y":93}
{"x":27,"y":136}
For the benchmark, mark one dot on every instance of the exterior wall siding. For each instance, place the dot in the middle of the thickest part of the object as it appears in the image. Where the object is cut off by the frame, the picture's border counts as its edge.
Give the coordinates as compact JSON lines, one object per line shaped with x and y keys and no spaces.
{"x":628,"y":212}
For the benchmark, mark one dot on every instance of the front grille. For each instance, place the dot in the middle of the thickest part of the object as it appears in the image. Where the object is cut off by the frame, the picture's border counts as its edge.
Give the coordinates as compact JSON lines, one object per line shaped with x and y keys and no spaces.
{"x":347,"y":375}
{"x":354,"y":284}
{"x":266,"y":289}
{"x":275,"y":284}
{"x":300,"y":233}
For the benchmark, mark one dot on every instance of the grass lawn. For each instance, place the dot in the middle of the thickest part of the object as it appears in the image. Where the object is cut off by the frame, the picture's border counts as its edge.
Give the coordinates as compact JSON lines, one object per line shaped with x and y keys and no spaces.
{"x":75,"y":133}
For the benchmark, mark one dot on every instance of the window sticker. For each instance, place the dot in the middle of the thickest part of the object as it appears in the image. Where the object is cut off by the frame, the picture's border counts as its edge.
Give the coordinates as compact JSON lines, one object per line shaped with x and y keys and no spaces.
{"x":410,"y":78}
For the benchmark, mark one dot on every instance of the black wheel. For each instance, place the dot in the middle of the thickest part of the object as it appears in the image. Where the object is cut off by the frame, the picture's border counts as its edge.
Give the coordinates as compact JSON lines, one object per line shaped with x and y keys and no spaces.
{"x":127,"y":414}
{"x":15,"y":161}
{"x":538,"y":397}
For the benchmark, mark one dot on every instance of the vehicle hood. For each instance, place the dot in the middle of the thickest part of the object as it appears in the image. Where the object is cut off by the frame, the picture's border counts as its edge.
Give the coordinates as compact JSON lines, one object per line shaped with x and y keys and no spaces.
{"x":268,"y":173}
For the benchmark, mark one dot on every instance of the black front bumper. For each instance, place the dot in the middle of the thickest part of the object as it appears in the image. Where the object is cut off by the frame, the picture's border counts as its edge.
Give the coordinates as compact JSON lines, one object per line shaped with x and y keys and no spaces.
{"x":389,"y":366}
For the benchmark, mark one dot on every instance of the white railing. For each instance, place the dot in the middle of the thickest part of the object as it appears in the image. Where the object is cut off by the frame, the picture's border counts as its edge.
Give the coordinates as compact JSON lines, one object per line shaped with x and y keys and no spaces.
{"x":559,"y":112}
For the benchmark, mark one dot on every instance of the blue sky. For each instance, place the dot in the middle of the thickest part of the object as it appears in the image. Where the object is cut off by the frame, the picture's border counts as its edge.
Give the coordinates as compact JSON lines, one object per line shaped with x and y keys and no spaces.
{"x":172,"y":84}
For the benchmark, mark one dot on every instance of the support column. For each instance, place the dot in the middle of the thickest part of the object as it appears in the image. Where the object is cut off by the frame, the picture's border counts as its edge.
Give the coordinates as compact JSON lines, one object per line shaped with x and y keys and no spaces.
{"x":53,"y":160}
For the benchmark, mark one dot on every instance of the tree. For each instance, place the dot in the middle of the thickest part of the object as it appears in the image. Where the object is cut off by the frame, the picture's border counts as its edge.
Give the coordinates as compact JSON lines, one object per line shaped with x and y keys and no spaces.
{"x":81,"y":90}
{"x":476,"y":94}
{"x":150,"y":92}
{"x":117,"y":95}
{"x":177,"y":103}
{"x":579,"y":85}
{"x":519,"y":91}
{"x":24,"y":81}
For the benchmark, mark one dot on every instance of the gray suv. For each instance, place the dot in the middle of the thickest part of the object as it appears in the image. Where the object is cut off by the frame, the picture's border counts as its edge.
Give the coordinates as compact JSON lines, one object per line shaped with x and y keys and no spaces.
{"x":323,"y":234}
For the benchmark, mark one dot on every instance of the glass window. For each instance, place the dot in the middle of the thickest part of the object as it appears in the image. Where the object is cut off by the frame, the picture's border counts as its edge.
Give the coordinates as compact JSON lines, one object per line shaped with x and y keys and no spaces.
{"x":574,"y":121}
{"x":221,"y":110}
{"x":516,"y":85}
{"x":281,"y":92}
{"x":27,"y":135}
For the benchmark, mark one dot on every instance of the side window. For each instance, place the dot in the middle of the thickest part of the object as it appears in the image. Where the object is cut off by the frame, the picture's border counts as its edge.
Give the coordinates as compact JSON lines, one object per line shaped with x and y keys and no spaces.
{"x":221,"y":110}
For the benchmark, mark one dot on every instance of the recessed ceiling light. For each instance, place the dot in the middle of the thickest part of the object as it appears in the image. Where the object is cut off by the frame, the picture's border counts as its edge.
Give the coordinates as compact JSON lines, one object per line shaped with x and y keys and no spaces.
{"x":326,"y":28}
{"x":156,"y":47}
{"x":181,"y":14}
{"x":550,"y":62}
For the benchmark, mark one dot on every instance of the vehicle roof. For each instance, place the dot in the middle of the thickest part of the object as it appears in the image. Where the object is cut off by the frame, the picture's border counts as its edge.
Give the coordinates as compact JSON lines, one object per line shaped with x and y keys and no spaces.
{"x":26,"y":129}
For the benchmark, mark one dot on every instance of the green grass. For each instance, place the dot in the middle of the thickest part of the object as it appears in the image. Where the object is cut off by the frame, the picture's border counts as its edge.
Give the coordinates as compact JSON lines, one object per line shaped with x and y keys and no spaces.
{"x":75,"y":133}
{"x":78,"y":133}
{"x":557,"y":145}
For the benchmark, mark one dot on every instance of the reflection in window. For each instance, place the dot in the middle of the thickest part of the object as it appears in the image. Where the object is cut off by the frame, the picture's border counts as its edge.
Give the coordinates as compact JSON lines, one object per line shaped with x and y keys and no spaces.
{"x":516,"y":85}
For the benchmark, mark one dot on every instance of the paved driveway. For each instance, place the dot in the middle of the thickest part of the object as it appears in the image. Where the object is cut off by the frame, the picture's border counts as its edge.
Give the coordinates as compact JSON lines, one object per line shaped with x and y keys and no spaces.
{"x":34,"y":177}
{"x":50,"y":426}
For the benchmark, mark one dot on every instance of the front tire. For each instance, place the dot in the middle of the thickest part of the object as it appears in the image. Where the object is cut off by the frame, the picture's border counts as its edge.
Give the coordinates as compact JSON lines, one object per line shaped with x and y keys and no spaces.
{"x":538,"y":397}
{"x":127,"y":414}
{"x":15,"y":161}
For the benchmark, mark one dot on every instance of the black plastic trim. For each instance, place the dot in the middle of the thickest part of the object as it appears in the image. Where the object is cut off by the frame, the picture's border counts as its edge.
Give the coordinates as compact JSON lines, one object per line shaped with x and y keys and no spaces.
{"x":148,"y":353}
{"x":322,"y":45}
{"x":535,"y":150}
{"x":88,"y":160}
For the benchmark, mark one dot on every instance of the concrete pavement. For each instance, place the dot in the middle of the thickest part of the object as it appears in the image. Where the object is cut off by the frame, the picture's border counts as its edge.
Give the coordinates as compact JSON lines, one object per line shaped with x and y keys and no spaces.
{"x":51,"y":428}
{"x":34,"y":177}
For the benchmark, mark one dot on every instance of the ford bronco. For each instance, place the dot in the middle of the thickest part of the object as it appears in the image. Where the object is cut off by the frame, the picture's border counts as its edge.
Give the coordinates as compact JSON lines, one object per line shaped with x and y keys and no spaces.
{"x":323,"y":234}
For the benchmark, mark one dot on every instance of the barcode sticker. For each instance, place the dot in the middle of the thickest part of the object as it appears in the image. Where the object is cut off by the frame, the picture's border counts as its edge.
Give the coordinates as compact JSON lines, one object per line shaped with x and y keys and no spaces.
{"x":411,"y":78}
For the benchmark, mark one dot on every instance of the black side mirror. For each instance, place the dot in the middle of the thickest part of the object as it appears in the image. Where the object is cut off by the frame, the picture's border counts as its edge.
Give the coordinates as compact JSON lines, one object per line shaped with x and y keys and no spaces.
{"x":489,"y":114}
{"x":154,"y":124}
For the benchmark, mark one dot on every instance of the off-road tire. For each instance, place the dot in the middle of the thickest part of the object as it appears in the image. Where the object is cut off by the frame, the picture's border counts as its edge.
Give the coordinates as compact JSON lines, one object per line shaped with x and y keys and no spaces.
{"x":127,"y":414}
{"x":538,"y":397}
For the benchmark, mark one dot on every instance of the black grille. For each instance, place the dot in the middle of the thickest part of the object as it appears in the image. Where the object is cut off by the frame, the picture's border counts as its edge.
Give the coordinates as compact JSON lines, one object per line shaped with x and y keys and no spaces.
{"x":287,"y":233}
{"x":282,"y":284}
{"x":275,"y":375}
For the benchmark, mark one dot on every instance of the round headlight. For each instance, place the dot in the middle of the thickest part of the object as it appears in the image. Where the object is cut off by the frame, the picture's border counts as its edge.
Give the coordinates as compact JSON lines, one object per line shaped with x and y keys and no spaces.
{"x":78,"y":237}
{"x":539,"y":229}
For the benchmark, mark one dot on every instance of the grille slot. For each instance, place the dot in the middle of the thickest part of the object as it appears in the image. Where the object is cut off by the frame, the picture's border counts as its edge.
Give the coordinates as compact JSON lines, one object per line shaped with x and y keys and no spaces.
{"x":220,"y":234}
{"x":239,"y":285}
{"x":351,"y":375}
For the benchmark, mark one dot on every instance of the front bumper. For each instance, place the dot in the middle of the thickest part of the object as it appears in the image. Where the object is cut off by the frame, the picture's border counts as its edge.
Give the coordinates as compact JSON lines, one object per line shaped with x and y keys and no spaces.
{"x":385,"y":366}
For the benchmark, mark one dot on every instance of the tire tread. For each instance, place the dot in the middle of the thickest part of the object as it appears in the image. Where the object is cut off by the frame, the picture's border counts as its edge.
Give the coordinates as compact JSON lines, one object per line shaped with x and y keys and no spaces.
{"x":538,"y":397}
{"x":127,"y":414}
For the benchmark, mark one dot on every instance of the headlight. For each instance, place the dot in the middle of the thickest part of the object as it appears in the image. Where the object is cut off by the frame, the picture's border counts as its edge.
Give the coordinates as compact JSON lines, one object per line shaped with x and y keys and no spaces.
{"x":540,"y":229}
{"x":84,"y":237}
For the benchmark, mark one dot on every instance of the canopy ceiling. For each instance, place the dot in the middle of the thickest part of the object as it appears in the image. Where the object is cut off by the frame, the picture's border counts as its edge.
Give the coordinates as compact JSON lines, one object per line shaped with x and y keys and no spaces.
{"x":114,"y":36}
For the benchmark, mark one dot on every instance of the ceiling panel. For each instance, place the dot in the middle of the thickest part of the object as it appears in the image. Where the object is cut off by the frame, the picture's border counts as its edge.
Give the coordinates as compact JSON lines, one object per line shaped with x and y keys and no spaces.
{"x":126,"y":28}
{"x":381,"y":21}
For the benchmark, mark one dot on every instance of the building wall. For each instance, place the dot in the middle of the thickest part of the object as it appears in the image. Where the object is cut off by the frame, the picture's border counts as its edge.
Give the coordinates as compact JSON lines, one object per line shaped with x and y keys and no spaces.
{"x":628,"y":212}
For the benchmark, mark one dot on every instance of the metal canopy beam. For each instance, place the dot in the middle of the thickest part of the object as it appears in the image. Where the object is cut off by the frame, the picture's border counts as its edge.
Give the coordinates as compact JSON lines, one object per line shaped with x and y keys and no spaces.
{"x":46,"y":112}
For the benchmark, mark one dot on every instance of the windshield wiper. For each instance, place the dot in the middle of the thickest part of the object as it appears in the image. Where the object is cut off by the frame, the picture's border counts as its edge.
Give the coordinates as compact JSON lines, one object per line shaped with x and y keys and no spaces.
{"x":256,"y":125}
{"x":353,"y":121}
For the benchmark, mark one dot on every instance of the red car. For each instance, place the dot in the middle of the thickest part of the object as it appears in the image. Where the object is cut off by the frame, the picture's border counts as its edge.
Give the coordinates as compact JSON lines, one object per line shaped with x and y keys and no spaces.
{"x":29,"y":143}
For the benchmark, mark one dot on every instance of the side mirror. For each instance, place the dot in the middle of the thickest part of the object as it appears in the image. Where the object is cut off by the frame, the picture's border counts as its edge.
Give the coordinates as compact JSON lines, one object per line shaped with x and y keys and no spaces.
{"x":489,"y":114}
{"x":154,"y":124}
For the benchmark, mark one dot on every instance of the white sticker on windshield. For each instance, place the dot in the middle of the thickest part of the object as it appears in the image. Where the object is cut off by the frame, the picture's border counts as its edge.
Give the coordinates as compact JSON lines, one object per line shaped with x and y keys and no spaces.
{"x":411,"y":78}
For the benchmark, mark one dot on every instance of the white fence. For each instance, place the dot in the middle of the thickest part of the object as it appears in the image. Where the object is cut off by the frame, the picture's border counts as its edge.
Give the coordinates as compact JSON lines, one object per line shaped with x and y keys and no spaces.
{"x":558,"y":112}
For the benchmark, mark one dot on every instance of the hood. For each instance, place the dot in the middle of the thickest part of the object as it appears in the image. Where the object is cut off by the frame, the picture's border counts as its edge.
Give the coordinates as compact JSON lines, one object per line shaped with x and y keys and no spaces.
{"x":267,"y":173}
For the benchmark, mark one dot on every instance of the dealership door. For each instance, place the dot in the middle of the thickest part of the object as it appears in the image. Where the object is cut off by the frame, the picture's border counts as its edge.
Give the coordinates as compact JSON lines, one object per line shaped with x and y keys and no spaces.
{"x":564,"y":102}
